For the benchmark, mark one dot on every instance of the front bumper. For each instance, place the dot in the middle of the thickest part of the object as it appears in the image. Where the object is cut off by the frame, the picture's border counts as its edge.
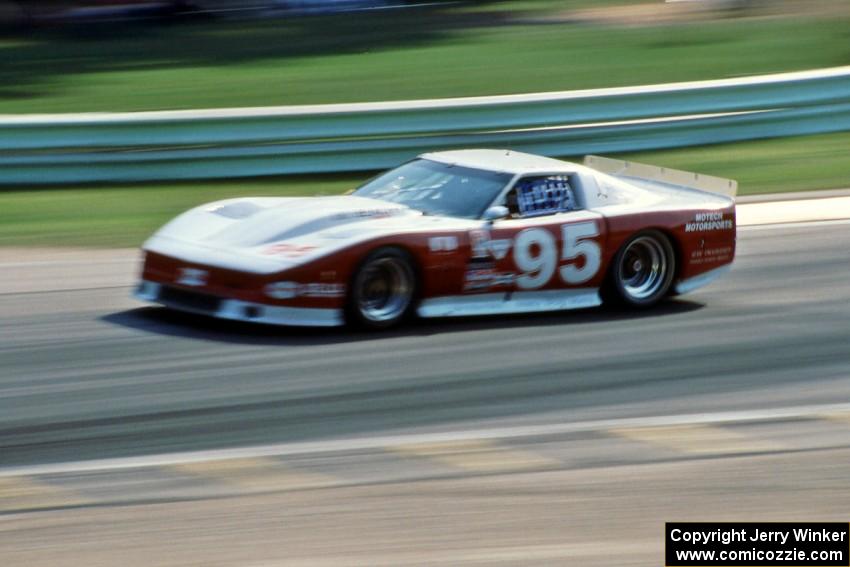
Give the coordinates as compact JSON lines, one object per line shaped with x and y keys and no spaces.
{"x":234,"y":309}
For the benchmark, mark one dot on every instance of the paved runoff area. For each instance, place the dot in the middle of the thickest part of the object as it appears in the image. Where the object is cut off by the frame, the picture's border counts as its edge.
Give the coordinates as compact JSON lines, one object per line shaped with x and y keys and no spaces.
{"x":574,"y":516}
{"x":801,"y":210}
{"x":297,"y":467}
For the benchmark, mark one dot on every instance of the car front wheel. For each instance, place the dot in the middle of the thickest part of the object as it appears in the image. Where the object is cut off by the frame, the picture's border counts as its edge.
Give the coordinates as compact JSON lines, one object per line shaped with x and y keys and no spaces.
{"x":382,"y":290}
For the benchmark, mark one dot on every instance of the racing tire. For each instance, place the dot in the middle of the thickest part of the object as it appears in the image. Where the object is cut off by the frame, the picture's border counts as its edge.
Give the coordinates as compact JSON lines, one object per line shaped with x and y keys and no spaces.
{"x":642,"y":271}
{"x":383,"y":289}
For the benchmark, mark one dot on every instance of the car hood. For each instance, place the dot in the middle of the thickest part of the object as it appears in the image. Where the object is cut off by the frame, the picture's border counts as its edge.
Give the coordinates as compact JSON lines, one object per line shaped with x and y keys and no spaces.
{"x":268,"y":234}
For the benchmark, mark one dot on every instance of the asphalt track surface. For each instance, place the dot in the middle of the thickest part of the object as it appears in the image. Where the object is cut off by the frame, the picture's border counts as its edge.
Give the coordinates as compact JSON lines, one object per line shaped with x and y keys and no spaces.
{"x":86,"y":372}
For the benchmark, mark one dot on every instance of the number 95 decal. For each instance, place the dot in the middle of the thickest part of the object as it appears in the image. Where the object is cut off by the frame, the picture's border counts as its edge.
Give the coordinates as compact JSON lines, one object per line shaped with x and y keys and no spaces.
{"x":536,"y":255}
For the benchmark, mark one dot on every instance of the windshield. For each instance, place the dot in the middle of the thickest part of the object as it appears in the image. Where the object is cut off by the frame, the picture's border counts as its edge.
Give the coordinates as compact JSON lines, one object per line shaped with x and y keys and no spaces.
{"x":437,"y":188}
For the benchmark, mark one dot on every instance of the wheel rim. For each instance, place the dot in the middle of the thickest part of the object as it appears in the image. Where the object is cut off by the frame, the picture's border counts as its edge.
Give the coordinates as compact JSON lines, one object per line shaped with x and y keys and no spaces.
{"x":643,"y":268}
{"x":384,"y":289}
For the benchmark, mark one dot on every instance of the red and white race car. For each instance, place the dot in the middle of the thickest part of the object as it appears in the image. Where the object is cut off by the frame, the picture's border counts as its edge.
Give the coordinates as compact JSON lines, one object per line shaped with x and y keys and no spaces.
{"x":472,"y":232}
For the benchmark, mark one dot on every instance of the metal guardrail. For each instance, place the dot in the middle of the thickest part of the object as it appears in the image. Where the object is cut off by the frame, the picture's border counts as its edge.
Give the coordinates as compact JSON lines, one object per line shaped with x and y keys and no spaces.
{"x":203,"y":144}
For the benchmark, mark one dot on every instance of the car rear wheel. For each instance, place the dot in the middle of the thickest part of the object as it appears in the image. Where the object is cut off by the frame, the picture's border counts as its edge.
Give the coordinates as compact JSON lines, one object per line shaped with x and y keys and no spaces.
{"x":382,"y":290}
{"x":642,"y":270}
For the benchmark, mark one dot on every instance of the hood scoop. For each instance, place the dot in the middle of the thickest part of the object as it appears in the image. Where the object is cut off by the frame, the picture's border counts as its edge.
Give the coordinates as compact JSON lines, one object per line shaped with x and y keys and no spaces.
{"x":236,"y":210}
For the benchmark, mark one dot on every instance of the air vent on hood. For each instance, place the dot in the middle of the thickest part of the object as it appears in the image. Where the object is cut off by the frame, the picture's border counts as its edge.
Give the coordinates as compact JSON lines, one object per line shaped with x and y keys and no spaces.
{"x":238,"y":210}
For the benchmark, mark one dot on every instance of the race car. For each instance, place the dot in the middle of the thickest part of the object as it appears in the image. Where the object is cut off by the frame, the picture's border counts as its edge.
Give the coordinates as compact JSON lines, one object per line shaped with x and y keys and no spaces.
{"x":456,"y":233}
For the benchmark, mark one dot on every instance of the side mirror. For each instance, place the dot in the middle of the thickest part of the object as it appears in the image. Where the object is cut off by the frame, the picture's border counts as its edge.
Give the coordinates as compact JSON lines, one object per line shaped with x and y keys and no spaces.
{"x":496,"y":213}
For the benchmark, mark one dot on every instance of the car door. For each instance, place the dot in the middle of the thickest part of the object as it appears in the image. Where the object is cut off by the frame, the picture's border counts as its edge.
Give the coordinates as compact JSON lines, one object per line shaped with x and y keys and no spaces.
{"x":548,"y":243}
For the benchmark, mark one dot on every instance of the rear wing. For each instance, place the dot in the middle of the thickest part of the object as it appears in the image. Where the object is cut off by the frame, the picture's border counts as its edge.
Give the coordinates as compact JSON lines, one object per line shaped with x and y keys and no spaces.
{"x":718,"y":185}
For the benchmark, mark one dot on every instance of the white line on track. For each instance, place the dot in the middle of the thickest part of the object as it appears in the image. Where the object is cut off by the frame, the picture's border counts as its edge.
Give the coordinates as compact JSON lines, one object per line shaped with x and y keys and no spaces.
{"x":380,"y":442}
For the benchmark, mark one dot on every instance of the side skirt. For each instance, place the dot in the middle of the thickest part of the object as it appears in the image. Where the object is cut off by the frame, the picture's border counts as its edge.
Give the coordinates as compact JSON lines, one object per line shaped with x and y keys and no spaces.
{"x":511,"y":302}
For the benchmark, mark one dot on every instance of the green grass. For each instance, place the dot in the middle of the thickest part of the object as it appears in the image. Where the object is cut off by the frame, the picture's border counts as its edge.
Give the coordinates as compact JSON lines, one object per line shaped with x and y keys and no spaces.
{"x":123,"y":216}
{"x":442,"y":52}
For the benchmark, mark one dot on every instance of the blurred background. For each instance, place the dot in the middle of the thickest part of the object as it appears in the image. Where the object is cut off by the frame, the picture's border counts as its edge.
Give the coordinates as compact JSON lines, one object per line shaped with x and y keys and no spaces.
{"x":547,"y":440}
{"x":76,"y":57}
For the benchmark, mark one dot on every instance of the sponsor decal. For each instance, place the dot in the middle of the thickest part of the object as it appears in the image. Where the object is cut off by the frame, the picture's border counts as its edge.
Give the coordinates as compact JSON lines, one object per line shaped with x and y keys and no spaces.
{"x":499,"y":248}
{"x":192,"y":276}
{"x":486,"y":278}
{"x":291,"y":290}
{"x":282,"y":290}
{"x":289,"y":250}
{"x":484,"y":247}
{"x":712,"y":255}
{"x":368,"y":214}
{"x":478,"y":243}
{"x":443,"y":244}
{"x":321,"y":290}
{"x":707,"y":222}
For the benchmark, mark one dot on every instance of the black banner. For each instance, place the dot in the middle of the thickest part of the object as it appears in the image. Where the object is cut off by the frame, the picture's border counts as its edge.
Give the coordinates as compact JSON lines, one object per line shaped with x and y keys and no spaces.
{"x":757,"y":544}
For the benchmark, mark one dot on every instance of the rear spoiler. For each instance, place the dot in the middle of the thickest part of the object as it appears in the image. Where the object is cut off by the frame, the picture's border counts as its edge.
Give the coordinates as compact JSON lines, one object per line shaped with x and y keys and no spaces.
{"x":617,"y":167}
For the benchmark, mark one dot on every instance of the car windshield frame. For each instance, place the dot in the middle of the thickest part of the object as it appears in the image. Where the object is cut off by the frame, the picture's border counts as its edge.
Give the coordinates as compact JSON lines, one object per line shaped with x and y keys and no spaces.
{"x":430,"y":178}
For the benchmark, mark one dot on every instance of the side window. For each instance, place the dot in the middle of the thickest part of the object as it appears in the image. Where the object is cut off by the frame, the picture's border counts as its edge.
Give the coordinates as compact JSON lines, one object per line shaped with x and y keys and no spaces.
{"x":538,"y":196}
